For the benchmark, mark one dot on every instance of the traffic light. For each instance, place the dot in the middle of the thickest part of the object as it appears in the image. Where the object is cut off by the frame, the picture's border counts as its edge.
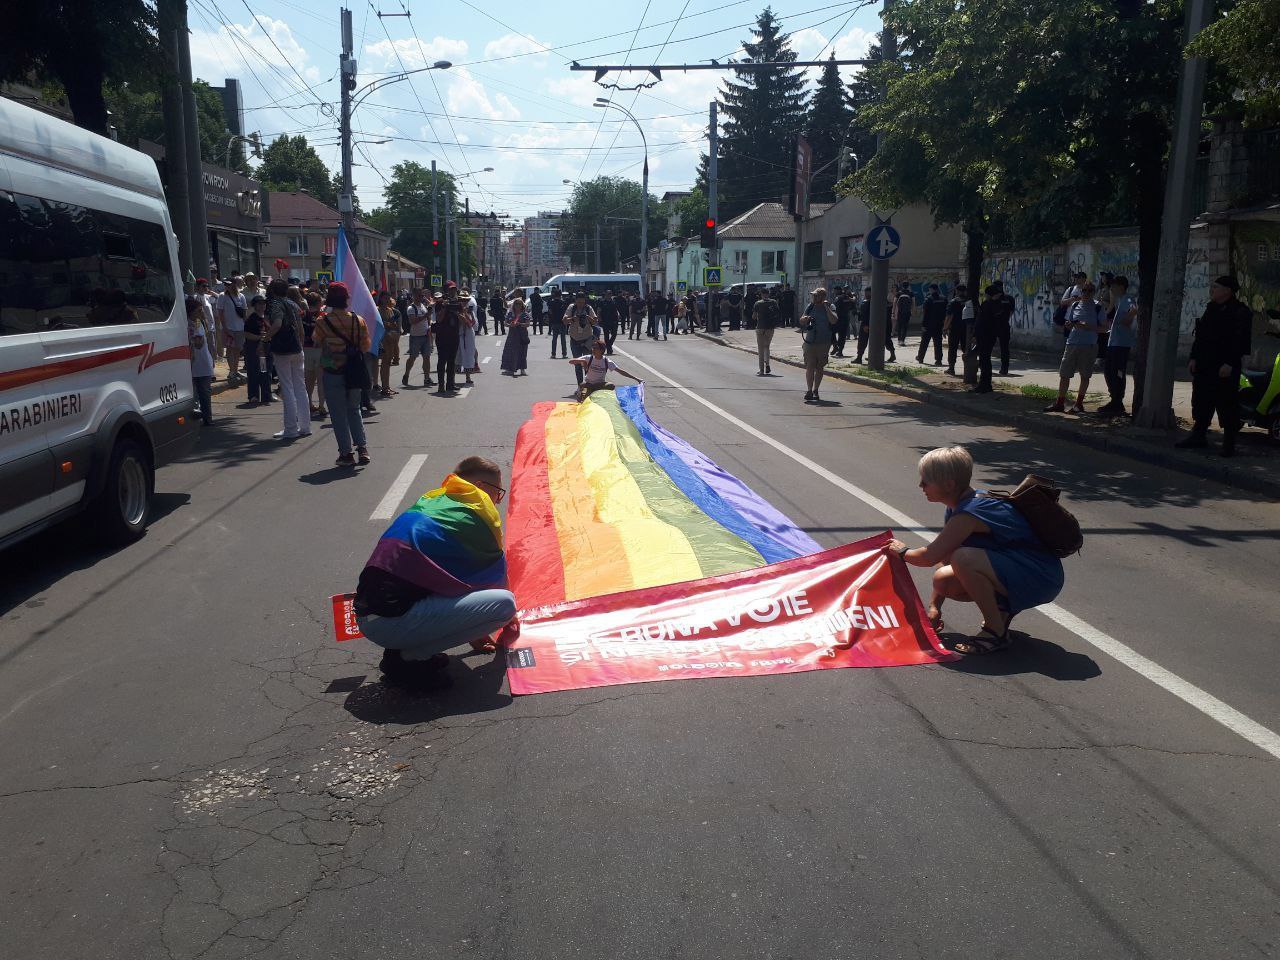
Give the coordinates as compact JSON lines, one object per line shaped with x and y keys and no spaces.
{"x":709,"y":233}
{"x":324,"y":261}
{"x":435,"y":247}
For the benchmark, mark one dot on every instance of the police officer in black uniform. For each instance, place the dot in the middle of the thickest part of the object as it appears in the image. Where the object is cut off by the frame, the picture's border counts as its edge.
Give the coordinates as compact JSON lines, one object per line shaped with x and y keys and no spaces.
{"x":1223,"y":339}
{"x":991,"y":325}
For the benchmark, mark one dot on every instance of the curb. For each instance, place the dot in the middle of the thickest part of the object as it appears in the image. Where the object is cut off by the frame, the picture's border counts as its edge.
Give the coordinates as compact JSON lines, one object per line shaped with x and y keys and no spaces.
{"x":1148,"y":453}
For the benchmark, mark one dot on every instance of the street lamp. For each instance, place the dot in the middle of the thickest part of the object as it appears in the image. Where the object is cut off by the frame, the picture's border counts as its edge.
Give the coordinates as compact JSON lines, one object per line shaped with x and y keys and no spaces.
{"x":606,"y":104}
{"x":352,"y":98}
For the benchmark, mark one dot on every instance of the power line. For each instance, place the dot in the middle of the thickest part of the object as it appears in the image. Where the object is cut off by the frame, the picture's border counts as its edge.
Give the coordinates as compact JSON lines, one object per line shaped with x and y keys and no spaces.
{"x":595,"y":136}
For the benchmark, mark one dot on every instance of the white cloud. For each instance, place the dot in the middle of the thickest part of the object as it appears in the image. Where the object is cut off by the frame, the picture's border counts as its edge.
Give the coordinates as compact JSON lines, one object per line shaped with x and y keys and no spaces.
{"x":414,"y":53}
{"x":215,"y":52}
{"x":513,"y":44}
{"x":469,"y":98}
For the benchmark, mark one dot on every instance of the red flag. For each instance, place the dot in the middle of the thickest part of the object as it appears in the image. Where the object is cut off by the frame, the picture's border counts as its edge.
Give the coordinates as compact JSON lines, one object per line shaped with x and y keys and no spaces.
{"x":848,"y":607}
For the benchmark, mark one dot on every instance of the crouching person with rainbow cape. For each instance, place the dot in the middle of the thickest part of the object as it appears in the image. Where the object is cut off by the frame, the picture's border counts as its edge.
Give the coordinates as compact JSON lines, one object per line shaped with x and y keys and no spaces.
{"x":437,"y":578}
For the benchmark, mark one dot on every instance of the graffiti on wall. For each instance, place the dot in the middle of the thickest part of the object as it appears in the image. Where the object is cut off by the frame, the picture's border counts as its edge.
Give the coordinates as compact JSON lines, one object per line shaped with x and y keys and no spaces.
{"x":1028,"y":279}
{"x":1255,"y":260}
{"x":1195,"y":293}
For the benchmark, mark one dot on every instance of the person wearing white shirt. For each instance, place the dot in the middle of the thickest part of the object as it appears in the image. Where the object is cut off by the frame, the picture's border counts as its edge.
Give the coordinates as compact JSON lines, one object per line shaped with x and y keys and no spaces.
{"x":420,"y":316}
{"x":199,"y":332}
{"x":207,"y":302}
{"x":231,"y":310}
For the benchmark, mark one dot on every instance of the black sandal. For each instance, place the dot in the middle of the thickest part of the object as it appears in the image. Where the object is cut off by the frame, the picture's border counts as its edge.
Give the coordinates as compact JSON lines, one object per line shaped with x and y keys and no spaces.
{"x":987,"y":641}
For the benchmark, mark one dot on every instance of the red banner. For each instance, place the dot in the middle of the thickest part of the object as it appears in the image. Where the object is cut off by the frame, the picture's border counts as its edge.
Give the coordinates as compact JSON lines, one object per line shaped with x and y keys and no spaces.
{"x":848,"y":607}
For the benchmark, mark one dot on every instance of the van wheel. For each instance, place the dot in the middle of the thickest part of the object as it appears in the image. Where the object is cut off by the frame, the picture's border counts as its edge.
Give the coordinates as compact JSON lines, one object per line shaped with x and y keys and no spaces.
{"x":122,"y":509}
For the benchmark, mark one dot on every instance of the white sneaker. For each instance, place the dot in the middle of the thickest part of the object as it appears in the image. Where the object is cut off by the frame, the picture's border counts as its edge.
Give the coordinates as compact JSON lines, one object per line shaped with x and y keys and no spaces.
{"x":286,"y":435}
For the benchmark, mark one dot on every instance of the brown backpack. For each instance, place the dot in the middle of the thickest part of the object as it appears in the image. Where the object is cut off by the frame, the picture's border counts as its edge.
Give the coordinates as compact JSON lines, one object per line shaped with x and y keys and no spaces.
{"x":1036,"y":498}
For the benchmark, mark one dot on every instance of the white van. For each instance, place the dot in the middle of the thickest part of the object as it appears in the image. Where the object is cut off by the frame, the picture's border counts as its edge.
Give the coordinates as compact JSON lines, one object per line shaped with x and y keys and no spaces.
{"x":594,"y":283}
{"x":95,"y":364}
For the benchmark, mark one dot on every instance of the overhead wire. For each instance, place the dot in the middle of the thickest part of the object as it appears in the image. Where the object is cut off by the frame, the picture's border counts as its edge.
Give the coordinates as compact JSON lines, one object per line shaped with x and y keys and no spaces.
{"x":595,"y":136}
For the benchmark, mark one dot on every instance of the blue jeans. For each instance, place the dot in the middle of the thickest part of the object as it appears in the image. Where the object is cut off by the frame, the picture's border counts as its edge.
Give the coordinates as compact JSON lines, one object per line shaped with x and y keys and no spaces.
{"x":344,"y":412}
{"x":436,"y":623}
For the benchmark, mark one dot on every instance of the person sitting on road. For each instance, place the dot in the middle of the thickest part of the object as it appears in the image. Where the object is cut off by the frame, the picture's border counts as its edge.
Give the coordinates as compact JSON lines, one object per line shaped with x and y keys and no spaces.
{"x":986,"y":553}
{"x":594,"y":369}
{"x":437,"y":578}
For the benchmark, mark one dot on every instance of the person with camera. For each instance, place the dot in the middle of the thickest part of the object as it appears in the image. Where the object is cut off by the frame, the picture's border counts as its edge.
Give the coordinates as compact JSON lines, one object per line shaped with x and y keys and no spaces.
{"x":343,"y":339}
{"x":1086,"y":318}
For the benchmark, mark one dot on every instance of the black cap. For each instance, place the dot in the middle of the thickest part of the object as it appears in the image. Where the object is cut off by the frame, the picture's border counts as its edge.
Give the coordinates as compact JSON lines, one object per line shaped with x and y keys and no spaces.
{"x":1228,"y":281}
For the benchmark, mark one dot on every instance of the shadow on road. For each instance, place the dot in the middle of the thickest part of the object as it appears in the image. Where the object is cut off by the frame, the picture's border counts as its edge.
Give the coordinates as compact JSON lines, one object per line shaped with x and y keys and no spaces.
{"x":1027,"y":655}
{"x":475,"y":689}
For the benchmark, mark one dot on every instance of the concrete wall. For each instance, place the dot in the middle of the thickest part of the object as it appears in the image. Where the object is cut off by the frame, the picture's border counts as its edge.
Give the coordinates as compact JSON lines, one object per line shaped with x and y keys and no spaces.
{"x":1036,"y":279}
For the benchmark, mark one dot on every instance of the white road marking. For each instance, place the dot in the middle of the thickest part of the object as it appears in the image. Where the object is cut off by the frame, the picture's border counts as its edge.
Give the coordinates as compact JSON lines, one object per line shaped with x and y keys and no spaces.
{"x":1261,"y":737}
{"x":463,"y":392}
{"x":486,"y":359}
{"x":390,"y":504}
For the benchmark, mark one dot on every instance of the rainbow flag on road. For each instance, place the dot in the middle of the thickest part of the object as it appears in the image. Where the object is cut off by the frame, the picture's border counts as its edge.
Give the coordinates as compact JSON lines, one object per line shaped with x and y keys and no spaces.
{"x":449,"y":542}
{"x":604,"y":500}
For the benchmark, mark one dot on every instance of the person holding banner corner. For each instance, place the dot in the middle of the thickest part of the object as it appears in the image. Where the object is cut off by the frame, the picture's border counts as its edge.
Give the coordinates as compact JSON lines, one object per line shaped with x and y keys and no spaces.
{"x":986,"y":553}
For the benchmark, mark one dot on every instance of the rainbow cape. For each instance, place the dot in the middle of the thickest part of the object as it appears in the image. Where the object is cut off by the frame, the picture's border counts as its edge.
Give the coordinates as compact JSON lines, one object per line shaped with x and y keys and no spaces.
{"x":604,"y":500}
{"x":449,"y":542}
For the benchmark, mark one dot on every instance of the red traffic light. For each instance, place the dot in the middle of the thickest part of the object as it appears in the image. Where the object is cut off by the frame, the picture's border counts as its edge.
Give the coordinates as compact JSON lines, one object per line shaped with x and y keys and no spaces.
{"x":435,"y":243}
{"x":711,"y":224}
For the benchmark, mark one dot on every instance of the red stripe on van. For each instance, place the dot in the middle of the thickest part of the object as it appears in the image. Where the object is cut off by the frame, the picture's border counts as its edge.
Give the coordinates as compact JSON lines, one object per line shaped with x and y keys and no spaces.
{"x":150,"y":359}
{"x":62,"y":368}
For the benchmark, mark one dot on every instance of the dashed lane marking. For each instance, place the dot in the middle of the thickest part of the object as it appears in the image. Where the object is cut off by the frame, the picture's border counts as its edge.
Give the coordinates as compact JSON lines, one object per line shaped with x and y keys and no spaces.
{"x":390,"y":504}
{"x":1261,"y":737}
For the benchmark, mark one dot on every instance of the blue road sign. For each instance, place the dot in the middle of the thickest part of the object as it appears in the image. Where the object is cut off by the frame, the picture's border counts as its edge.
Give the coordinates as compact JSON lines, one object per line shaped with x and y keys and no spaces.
{"x":682,"y":286}
{"x":711,"y":276}
{"x":883,"y":242}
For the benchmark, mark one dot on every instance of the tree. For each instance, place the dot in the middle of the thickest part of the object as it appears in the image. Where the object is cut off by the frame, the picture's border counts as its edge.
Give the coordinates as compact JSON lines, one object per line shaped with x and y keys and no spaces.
{"x":83,"y":45}
{"x":136,"y":115}
{"x":406,"y":215}
{"x":989,"y":119}
{"x":864,"y":91}
{"x":290,"y":163}
{"x":762,"y":112}
{"x":612,"y":204}
{"x":1244,"y":46}
{"x":827,"y":128}
{"x":691,"y":211}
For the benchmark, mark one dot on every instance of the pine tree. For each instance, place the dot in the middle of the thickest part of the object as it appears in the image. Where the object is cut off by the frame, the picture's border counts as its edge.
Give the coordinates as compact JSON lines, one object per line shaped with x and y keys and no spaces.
{"x":863,"y":92}
{"x":827,"y":127}
{"x":762,"y":112}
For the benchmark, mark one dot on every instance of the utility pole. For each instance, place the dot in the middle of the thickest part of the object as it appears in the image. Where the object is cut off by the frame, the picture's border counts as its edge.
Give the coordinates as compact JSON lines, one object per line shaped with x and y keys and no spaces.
{"x":598,"y":270}
{"x":712,"y":181}
{"x":1171,"y":267}
{"x":347,"y":72}
{"x":880,"y":267}
{"x":435,"y":223}
{"x":644,"y":224}
{"x":177,"y":180}
{"x":191,"y":124}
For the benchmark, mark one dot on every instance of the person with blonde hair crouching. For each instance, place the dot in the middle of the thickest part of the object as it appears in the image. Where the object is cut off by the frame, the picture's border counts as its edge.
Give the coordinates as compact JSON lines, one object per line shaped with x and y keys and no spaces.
{"x":986,"y":553}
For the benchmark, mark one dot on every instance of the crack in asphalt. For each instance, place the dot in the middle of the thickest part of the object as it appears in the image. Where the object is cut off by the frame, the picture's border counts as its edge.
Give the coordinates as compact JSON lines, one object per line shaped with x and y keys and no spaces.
{"x":932,"y":730}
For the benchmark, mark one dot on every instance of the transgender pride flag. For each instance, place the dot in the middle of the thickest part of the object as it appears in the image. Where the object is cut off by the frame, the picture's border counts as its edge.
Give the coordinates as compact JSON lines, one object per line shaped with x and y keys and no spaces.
{"x":346,"y":270}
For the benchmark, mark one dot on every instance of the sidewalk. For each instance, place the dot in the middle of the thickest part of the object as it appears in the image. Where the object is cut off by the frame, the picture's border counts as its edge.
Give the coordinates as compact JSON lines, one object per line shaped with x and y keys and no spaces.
{"x":1019,"y":400}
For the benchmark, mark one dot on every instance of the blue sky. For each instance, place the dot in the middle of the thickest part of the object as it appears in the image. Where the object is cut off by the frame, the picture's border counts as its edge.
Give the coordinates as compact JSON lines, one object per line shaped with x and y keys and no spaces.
{"x":509,"y":102}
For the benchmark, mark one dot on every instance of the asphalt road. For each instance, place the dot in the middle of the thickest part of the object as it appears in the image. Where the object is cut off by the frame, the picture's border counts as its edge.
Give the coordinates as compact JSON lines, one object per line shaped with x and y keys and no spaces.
{"x":193,"y":768}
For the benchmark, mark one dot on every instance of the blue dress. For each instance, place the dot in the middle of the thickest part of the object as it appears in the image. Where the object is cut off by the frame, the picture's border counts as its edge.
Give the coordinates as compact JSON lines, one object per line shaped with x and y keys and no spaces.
{"x":1030,"y":573}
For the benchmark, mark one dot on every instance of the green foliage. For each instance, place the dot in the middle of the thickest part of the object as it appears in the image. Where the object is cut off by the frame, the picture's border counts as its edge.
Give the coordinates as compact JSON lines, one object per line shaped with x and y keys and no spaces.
{"x":1036,"y":113}
{"x":762,"y":111}
{"x":614,"y":204}
{"x":406,"y":215}
{"x":1244,"y":47}
{"x":863,"y":92}
{"x":827,"y":127}
{"x":83,"y":45}
{"x":136,"y":114}
{"x":691,"y":210}
{"x":290,"y":163}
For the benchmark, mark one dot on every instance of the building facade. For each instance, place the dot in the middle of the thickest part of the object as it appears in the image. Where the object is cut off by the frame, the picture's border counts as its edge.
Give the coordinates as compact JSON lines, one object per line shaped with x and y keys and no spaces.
{"x":304,"y":232}
{"x":542,"y":256}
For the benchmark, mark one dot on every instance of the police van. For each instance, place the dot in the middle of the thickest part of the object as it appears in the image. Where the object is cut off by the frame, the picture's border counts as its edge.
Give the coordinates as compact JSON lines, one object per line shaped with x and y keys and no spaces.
{"x":594,"y":283}
{"x":95,"y":363}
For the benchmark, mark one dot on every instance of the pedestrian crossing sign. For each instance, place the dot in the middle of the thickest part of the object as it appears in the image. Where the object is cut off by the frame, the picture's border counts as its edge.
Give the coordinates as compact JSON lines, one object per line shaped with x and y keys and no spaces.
{"x":682,"y":286}
{"x":437,"y":280}
{"x":324,"y":276}
{"x":711,"y":276}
